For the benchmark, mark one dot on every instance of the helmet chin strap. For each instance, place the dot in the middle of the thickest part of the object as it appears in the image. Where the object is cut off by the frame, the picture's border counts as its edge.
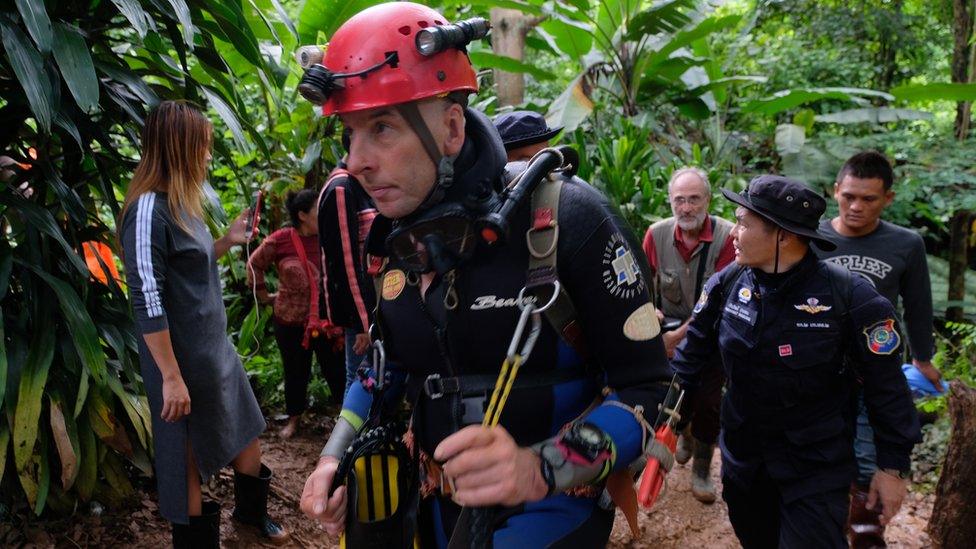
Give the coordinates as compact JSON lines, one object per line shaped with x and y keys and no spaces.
{"x":444,"y":164}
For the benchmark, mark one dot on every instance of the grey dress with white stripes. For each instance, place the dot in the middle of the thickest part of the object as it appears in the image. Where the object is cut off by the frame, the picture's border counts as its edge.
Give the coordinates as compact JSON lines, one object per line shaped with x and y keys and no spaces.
{"x":174,"y":284}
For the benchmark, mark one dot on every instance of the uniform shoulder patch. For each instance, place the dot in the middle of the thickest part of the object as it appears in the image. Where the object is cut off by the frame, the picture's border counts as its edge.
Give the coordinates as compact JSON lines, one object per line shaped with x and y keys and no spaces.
{"x":882,"y":337}
{"x":621,"y":275}
{"x":702,"y":302}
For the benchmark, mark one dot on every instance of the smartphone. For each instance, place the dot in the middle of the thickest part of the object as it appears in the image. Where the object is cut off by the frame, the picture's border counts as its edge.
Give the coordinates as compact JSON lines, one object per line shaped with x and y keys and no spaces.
{"x":254,"y":217}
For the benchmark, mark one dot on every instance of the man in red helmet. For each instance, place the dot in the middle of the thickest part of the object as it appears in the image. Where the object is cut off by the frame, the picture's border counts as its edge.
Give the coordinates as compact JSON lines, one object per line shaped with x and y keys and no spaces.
{"x":449,"y":302}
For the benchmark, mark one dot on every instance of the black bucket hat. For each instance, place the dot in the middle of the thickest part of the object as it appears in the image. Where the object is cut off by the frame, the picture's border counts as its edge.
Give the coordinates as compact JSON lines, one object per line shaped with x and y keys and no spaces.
{"x":786,"y":203}
{"x":520,"y":128}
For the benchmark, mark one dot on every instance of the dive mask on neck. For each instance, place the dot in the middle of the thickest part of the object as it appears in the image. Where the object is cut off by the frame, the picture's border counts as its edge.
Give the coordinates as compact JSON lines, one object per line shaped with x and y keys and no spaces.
{"x":439,"y":239}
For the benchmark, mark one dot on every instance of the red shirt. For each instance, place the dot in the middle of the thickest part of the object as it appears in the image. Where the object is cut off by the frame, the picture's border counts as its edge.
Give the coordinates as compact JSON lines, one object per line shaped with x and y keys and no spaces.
{"x":725,"y":256}
{"x":294,"y":293}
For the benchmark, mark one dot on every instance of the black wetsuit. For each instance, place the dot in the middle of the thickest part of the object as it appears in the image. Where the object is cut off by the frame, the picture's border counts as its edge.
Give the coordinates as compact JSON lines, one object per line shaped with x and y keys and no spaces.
{"x":600,"y":265}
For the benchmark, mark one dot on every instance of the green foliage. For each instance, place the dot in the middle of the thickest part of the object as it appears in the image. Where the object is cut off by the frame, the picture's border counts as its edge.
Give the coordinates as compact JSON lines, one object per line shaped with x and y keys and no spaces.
{"x":955,"y":356}
{"x":76,"y":80}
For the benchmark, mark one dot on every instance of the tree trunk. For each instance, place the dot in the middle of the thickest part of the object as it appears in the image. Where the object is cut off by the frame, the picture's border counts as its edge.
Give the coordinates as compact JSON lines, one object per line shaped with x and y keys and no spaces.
{"x":508,"y":31}
{"x":959,"y":227}
{"x":951,"y":524}
{"x":962,"y":29}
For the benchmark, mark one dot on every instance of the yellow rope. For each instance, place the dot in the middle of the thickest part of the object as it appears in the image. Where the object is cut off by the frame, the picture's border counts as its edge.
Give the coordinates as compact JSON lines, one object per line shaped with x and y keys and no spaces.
{"x":503,"y":386}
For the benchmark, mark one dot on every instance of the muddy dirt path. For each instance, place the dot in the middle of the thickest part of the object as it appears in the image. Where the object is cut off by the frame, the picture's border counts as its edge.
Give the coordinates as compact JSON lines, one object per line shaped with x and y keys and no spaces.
{"x":678,"y":520}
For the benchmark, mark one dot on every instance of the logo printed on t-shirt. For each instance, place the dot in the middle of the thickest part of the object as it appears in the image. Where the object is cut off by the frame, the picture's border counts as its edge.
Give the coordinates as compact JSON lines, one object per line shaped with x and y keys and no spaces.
{"x":870,"y":268}
{"x":786,"y":350}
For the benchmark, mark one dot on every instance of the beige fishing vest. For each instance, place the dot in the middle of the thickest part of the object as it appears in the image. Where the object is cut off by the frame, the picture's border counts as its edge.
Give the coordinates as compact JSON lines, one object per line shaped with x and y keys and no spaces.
{"x":674,"y":281}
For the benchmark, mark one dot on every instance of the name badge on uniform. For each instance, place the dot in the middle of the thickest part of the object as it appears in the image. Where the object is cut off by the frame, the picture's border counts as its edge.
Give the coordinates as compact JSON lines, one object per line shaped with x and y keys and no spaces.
{"x":742,"y":313}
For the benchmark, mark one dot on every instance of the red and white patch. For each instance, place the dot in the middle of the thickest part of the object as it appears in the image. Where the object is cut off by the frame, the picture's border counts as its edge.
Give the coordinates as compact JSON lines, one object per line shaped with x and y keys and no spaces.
{"x":785,"y":350}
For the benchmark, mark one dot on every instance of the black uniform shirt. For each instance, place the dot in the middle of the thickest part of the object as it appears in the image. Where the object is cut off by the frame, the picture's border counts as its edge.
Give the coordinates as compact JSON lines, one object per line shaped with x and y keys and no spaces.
{"x":792,"y":353}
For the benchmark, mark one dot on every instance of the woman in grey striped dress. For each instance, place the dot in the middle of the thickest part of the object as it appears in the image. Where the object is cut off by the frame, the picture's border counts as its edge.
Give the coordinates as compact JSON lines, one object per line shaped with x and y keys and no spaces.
{"x":205,"y":415}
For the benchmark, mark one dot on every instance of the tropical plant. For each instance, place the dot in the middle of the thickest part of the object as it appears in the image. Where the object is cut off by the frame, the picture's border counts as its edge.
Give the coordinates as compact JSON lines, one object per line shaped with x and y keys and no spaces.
{"x":77,"y":80}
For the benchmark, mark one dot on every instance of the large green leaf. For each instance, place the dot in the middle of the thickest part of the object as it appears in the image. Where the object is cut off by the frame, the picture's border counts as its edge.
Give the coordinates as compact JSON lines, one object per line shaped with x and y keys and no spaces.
{"x":572,"y":106}
{"x":6,"y":265}
{"x":28,"y":66}
{"x":572,"y":38}
{"x":229,"y":117}
{"x":182,"y":12}
{"x":872,"y":115}
{"x":662,"y":17}
{"x":131,"y":81}
{"x":283,"y":17}
{"x":4,"y":445}
{"x":29,"y":395}
{"x":42,"y":220}
{"x":788,"y":99}
{"x":684,"y":38}
{"x":3,"y":377}
{"x":37,"y":21}
{"x":138,"y":18}
{"x":789,"y":138}
{"x":80,"y":324}
{"x":88,"y":462}
{"x":75,"y":61}
{"x":935,"y":92}
{"x":489,"y":60}
{"x":325,"y":17}
{"x":230,"y":18}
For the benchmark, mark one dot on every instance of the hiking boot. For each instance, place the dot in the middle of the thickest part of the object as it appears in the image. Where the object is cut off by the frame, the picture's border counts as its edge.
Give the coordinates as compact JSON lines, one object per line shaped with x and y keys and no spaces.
{"x":686,"y":445}
{"x":251,"y":505}
{"x":202,"y":532}
{"x":864,"y":528}
{"x":701,"y":479}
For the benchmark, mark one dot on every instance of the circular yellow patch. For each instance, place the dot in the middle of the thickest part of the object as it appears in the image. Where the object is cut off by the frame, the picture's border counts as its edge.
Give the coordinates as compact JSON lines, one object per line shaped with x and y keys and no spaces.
{"x":393,"y":284}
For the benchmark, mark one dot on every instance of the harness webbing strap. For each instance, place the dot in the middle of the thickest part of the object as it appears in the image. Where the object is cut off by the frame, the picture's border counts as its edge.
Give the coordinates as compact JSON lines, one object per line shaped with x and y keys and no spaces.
{"x":543,"y":241}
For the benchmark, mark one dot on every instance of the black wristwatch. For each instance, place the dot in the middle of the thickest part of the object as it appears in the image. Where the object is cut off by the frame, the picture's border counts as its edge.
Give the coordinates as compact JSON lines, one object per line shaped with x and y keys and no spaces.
{"x":548,"y":475}
{"x":586,"y":442}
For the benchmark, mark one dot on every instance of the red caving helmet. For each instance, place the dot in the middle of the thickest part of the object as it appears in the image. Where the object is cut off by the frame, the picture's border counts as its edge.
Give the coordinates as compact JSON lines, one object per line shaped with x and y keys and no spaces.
{"x":369,"y":37}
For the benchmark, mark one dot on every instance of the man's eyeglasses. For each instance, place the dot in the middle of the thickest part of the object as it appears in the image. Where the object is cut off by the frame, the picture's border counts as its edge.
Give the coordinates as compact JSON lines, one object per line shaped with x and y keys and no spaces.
{"x":690,"y":200}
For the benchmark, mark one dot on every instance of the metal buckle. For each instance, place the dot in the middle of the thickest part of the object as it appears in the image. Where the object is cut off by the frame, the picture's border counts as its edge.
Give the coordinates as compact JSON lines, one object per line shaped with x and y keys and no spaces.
{"x":429,"y":384}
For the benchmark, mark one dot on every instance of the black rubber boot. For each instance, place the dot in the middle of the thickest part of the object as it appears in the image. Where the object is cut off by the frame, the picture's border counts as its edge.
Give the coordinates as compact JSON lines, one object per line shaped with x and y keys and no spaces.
{"x":203,"y":532}
{"x":251,"y":505}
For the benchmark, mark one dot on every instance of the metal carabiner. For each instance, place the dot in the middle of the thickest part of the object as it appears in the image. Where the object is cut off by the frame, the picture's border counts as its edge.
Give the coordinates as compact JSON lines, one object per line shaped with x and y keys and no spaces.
{"x":528,"y":310}
{"x":379,"y":363}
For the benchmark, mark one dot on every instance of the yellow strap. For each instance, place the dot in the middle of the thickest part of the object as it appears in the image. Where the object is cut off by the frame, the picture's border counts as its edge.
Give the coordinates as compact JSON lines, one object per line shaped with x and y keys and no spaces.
{"x":503,"y":386}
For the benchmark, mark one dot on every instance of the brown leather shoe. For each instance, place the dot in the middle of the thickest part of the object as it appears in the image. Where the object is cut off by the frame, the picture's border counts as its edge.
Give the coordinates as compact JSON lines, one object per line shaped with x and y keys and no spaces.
{"x":864,"y":528}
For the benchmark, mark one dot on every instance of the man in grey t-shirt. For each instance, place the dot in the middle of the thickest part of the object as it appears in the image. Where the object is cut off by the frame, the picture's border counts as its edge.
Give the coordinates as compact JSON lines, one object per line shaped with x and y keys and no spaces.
{"x":892,"y":258}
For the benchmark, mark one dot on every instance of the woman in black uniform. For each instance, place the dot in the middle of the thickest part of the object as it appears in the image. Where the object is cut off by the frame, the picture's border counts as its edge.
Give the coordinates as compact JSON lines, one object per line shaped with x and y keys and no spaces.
{"x":205,"y":415}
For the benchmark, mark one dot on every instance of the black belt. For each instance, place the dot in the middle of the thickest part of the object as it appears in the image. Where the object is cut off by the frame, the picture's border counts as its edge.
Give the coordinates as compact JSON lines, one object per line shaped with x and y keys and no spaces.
{"x":436,"y":386}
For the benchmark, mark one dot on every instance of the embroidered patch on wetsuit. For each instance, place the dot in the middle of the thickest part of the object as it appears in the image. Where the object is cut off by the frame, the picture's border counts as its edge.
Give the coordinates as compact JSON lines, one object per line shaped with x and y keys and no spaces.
{"x":813,"y":306}
{"x":393,"y":283}
{"x":702,"y":301}
{"x":882,"y":337}
{"x":785,"y":350}
{"x":642,"y":324}
{"x":620,"y":273}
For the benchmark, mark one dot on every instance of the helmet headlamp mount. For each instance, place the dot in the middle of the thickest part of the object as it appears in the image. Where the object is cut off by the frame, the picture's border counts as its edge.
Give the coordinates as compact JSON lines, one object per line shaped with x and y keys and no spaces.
{"x":318,"y":82}
{"x":435,"y":39}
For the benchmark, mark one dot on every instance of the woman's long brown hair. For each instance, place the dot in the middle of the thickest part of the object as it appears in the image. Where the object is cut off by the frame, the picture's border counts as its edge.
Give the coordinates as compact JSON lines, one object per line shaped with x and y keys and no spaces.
{"x":175,"y":143}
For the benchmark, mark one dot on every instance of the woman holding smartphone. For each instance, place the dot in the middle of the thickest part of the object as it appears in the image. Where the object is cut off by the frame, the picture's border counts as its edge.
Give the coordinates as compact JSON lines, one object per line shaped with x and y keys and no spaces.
{"x":205,"y":415}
